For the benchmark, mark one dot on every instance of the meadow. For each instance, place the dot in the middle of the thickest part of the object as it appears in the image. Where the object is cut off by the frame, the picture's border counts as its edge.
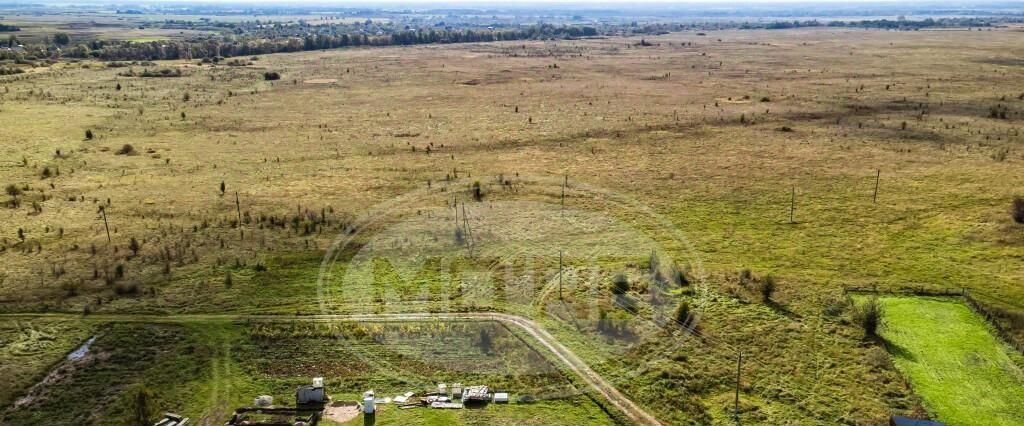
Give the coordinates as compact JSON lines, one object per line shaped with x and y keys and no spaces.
{"x":762,"y":148}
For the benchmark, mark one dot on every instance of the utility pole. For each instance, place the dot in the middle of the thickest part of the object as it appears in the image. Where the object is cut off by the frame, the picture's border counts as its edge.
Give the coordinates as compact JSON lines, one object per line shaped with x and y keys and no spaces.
{"x":564,"y":184}
{"x":878,"y":175}
{"x":792,"y":205}
{"x":238,"y":208}
{"x":736,"y":402}
{"x":105,"y":225}
{"x":469,"y":234}
{"x":559,"y":275}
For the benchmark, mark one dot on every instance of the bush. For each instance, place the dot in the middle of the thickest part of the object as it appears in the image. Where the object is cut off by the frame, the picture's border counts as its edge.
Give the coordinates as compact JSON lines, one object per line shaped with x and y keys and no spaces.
{"x":271,"y":76}
{"x":478,"y":194}
{"x":768,"y":288}
{"x":682,"y":314}
{"x":10,"y":70}
{"x":746,"y":276}
{"x":620,"y":284}
{"x":127,"y":149}
{"x":1017,"y":211}
{"x":88,"y":134}
{"x":869,"y":316}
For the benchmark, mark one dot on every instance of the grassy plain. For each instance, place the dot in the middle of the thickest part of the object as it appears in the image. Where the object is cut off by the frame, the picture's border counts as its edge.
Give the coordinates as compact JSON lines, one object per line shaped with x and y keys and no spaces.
{"x":714,"y":133}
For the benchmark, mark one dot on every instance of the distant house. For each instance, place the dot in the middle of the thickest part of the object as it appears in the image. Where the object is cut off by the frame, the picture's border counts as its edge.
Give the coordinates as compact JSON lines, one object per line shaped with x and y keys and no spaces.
{"x":907,"y":421}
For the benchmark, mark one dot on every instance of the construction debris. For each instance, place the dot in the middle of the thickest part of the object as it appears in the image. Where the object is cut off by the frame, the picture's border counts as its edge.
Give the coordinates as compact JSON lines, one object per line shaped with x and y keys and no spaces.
{"x":171,"y":419}
{"x":263,"y":401}
{"x":475,"y":394}
{"x":446,"y":405}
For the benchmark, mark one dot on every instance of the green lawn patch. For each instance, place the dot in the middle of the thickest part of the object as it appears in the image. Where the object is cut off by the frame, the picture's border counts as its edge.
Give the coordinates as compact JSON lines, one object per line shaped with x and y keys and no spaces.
{"x":965,"y":375}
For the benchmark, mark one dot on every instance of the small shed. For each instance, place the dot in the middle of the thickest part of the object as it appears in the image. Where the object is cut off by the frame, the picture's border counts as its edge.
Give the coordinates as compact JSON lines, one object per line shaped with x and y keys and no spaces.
{"x":501,"y":397}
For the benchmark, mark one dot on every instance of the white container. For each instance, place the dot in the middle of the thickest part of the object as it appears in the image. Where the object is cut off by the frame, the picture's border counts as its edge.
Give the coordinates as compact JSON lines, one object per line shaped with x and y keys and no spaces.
{"x":442,"y":389}
{"x":318,"y":382}
{"x":368,"y":405}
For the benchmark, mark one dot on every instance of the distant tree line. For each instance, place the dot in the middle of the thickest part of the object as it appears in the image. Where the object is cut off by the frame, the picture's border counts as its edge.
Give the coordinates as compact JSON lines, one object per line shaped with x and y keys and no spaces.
{"x":260,"y":40}
{"x":878,"y":23}
{"x":8,"y":28}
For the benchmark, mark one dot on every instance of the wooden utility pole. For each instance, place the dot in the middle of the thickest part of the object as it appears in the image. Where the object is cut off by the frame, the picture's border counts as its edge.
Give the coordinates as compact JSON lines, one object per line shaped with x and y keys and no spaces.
{"x":469,"y":234}
{"x":792,"y":205}
{"x":878,"y":175}
{"x":105,"y":225}
{"x":559,"y":275}
{"x":736,"y":402}
{"x":564,"y":183}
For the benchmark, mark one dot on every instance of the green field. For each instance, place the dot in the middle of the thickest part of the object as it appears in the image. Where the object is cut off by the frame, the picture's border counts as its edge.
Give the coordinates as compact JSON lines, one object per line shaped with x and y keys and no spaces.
{"x":954,"y":362}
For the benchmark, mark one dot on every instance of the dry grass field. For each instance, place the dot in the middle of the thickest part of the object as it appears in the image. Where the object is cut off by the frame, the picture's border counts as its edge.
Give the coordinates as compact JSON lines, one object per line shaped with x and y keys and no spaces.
{"x":715,"y":133}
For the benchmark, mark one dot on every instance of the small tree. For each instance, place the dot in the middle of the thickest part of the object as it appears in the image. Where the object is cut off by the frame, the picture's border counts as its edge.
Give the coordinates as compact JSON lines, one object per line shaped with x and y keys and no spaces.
{"x":869,"y":315}
{"x":13,"y":191}
{"x":682,"y":314}
{"x":620,"y":284}
{"x":62,"y":39}
{"x":1017,"y":210}
{"x":134,"y":246}
{"x":486,"y":341}
{"x":88,"y":134}
{"x":478,"y":193}
{"x":768,"y":288}
{"x":222,"y":187}
{"x":144,"y":407}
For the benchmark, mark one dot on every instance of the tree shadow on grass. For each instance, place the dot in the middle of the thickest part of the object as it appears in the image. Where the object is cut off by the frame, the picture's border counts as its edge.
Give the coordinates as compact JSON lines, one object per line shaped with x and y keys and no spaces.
{"x":777,"y":307}
{"x":895,"y":349}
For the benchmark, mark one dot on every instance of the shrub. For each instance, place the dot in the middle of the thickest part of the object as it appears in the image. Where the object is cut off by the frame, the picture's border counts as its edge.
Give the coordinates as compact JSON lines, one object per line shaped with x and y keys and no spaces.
{"x":682,"y":314}
{"x":1017,"y":210}
{"x":678,"y":277}
{"x":478,"y":194}
{"x":88,"y":134}
{"x":768,"y":288}
{"x":869,"y":316}
{"x":746,"y":276}
{"x":271,"y":76}
{"x":620,"y":284}
{"x":127,"y":149}
{"x":134,"y":246}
